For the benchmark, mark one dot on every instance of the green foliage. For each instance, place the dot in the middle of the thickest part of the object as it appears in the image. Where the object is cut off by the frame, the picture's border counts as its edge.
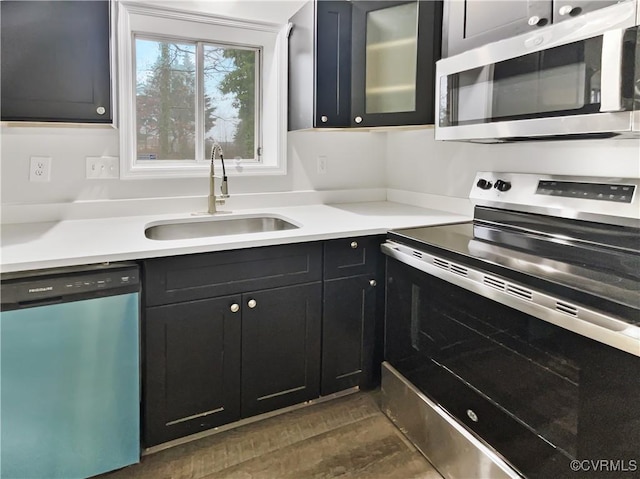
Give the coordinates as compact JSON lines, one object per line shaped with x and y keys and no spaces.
{"x":240,"y":82}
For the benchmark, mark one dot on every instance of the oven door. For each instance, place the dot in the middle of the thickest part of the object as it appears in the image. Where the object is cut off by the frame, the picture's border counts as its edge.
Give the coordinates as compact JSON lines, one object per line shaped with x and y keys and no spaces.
{"x":540,"y":395}
{"x":567,"y":79}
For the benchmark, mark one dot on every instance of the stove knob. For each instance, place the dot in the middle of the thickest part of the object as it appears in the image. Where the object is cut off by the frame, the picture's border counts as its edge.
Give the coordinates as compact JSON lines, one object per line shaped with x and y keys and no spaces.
{"x":483,"y":184}
{"x":502,"y":185}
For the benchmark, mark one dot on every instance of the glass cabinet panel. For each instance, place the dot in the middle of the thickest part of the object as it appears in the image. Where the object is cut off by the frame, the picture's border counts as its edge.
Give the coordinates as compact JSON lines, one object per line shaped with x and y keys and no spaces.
{"x":391,"y":59}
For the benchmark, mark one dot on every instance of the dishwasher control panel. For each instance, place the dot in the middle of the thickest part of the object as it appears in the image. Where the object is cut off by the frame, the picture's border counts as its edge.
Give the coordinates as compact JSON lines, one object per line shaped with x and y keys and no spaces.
{"x":62,"y":284}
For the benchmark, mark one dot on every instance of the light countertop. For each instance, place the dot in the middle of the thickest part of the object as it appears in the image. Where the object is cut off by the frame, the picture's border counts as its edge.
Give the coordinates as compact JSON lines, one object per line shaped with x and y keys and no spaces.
{"x":30,"y":246}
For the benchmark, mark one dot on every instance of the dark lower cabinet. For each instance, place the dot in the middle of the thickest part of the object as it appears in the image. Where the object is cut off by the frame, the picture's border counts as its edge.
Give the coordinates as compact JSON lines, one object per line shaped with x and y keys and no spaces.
{"x":191,"y":368}
{"x":280,"y":347}
{"x":234,"y":334}
{"x":348,"y":335}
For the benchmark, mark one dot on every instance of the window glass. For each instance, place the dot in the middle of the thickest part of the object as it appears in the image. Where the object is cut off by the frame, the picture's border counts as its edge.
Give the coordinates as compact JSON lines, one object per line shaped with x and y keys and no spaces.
{"x":165,"y":100}
{"x":230,"y":91}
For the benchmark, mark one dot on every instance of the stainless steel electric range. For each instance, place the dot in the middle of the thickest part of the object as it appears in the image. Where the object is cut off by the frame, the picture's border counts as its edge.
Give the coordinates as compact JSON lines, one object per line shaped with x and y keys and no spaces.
{"x":512,"y":342}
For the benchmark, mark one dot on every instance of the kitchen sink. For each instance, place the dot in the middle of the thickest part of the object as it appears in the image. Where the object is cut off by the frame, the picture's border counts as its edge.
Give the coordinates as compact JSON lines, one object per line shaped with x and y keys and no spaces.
{"x":199,"y":228}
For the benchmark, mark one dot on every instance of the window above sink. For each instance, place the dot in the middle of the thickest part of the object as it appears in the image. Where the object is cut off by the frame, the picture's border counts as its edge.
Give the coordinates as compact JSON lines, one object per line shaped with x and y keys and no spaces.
{"x":189,"y":79}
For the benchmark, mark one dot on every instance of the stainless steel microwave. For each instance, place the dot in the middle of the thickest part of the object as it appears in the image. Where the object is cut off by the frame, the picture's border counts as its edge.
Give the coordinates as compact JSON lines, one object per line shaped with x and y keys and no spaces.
{"x":577,"y":78}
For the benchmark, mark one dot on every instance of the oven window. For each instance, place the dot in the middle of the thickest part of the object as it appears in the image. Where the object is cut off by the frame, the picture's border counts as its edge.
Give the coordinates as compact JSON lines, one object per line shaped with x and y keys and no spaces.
{"x":564,"y":80}
{"x":539,"y":394}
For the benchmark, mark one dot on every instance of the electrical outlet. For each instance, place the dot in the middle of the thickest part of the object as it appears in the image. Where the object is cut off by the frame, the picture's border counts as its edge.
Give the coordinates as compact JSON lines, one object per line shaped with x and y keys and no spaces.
{"x":40,"y":168}
{"x":102,"y":167}
{"x":322,"y":165}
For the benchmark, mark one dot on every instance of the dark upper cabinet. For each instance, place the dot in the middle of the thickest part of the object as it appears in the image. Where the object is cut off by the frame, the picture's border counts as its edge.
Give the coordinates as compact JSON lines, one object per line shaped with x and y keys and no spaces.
{"x":363,"y":63}
{"x":320,"y":65}
{"x":55,"y":61}
{"x":469,"y":24}
{"x":395,"y":47}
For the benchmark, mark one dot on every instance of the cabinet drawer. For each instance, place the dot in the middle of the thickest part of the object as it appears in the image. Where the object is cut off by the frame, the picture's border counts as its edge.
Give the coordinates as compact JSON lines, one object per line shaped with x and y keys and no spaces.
{"x":198,"y":276}
{"x":351,"y":256}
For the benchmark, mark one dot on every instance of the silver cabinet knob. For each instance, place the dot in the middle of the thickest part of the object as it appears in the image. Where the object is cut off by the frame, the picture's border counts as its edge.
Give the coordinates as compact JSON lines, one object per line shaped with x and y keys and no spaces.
{"x":373,"y":282}
{"x":252,"y":303}
{"x":354,"y":244}
{"x":324,"y":119}
{"x":565,"y":10}
{"x":101,"y":110}
{"x":537,"y":21}
{"x":235,"y":307}
{"x":358,"y":119}
{"x":472,"y":415}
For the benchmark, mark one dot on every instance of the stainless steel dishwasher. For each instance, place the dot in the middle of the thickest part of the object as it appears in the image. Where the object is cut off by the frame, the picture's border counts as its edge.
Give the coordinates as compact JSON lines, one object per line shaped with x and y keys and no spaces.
{"x":69,"y":360}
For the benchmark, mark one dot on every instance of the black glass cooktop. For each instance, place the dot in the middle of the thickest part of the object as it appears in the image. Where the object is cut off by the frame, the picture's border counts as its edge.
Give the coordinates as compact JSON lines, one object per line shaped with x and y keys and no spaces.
{"x":597,"y":265}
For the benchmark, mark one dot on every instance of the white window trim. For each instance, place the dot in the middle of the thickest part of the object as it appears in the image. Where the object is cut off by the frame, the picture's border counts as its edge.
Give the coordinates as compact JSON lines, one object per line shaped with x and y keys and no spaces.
{"x":153,"y":20}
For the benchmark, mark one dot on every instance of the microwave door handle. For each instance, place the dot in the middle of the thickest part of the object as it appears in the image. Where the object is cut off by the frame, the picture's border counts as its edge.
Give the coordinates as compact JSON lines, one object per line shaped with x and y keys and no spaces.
{"x":611,"y":76}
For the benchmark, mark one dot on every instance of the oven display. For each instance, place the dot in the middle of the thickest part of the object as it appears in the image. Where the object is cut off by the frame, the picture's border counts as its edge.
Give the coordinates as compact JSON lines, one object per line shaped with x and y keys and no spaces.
{"x":591,"y":191}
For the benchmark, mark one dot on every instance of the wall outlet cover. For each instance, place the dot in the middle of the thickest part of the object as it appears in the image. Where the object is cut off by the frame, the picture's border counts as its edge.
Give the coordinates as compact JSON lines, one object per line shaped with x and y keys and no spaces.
{"x":40,"y":168}
{"x":103,"y":167}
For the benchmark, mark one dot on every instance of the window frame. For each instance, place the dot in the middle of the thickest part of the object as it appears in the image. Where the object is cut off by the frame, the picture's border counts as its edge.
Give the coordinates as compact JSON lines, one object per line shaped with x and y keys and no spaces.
{"x":161,"y":23}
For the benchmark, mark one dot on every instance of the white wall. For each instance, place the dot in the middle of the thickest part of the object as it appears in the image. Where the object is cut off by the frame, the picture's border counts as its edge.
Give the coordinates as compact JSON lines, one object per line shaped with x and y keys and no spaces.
{"x":354,"y":160}
{"x":416,"y":162}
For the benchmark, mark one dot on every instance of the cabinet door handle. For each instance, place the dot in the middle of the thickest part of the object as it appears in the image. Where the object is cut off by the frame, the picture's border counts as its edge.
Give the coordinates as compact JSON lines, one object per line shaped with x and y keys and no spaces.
{"x":252,"y":303}
{"x":358,"y":119}
{"x":568,"y":10}
{"x":354,"y":244}
{"x":537,"y":21}
{"x":101,"y":110}
{"x":235,"y":307}
{"x":373,"y":282}
{"x":324,"y":119}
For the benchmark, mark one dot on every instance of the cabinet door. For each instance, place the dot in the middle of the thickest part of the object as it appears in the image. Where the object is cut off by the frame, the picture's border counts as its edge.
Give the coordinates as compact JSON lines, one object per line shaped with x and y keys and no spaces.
{"x":191,"y":368}
{"x":567,"y":9}
{"x":280,"y":347}
{"x":395,"y":47}
{"x":348,"y":332}
{"x":471,"y":23}
{"x":333,"y":67}
{"x":55,"y":61}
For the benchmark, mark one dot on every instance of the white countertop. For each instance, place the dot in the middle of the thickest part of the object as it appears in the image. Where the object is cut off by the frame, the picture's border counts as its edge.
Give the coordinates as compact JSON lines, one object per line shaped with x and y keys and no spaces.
{"x":30,"y":246}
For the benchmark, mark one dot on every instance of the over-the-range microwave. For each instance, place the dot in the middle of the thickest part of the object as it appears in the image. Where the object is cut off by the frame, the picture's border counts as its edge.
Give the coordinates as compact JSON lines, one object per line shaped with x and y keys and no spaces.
{"x":578,"y":78}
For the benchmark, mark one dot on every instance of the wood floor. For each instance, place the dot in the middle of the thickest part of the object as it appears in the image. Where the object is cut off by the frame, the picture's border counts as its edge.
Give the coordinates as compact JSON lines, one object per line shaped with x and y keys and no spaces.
{"x":347,"y":437}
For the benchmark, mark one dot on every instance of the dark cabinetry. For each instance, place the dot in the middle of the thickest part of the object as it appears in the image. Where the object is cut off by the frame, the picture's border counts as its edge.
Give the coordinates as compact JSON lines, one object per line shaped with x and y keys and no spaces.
{"x":320,"y":65}
{"x":55,"y":61}
{"x":191,"y":368}
{"x":229,"y":335}
{"x":395,"y":47}
{"x":472,"y":23}
{"x":352,"y":313}
{"x":363,"y":63}
{"x":280,"y":347}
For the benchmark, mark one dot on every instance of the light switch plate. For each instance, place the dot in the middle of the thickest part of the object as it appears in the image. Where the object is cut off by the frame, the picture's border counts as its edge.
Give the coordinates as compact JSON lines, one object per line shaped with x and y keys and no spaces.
{"x":103,"y":167}
{"x":40,"y":168}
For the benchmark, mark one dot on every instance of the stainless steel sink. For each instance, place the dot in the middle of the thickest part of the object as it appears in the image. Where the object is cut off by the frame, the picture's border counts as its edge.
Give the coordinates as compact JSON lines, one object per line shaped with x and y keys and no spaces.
{"x":216,"y":227}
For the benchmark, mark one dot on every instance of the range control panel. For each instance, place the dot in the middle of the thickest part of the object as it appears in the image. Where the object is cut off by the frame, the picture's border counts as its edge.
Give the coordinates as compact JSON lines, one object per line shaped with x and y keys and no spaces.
{"x":38,"y":288}
{"x":608,"y":200}
{"x":593,"y":191}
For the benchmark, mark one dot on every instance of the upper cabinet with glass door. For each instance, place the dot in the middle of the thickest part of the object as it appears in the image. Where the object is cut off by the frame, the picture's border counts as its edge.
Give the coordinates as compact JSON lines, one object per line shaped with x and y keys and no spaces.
{"x":395,"y":47}
{"x":471,"y":23}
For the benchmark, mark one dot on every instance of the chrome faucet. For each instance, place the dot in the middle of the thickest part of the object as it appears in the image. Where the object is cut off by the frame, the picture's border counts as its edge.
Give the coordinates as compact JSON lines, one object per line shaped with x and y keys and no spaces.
{"x":214,"y":200}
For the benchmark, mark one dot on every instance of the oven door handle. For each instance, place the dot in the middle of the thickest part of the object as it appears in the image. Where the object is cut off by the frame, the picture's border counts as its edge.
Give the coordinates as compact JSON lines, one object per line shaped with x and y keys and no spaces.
{"x":611,"y":71}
